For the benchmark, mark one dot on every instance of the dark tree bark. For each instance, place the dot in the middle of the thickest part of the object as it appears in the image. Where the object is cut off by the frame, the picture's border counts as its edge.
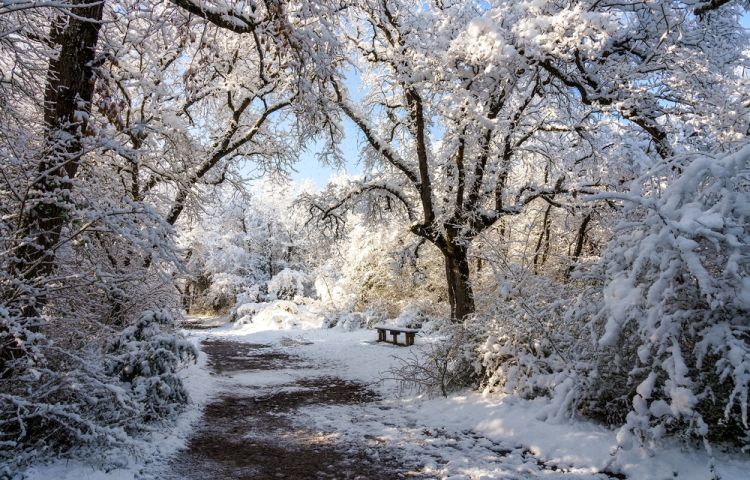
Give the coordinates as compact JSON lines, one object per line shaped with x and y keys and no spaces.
{"x":67,"y":104}
{"x":458,"y":276}
{"x":542,"y":245}
{"x":580,"y":237}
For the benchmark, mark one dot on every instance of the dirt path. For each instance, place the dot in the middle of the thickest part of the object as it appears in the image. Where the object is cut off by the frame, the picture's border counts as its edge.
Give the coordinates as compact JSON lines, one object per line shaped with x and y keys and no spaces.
{"x":247,"y":435}
{"x":270,"y":418}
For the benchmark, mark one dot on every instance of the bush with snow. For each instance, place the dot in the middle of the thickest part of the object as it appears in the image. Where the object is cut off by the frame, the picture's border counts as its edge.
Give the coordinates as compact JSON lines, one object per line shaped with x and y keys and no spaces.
{"x":348,"y":321}
{"x":414,"y":315}
{"x":443,"y":365}
{"x":672,"y":315}
{"x":287,"y":285}
{"x":528,"y":342}
{"x":55,"y":401}
{"x":658,"y":341}
{"x":277,"y":315}
{"x":249,"y":294}
{"x":147,"y":358}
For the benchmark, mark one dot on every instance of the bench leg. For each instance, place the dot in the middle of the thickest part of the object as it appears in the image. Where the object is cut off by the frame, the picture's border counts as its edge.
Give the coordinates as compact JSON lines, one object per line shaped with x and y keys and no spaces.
{"x":381,"y":335}
{"x":409,"y":339}
{"x":395,"y":337}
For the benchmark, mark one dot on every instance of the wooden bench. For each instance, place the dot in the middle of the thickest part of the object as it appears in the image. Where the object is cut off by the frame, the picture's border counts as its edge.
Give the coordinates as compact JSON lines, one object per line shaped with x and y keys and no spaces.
{"x":409,"y":333}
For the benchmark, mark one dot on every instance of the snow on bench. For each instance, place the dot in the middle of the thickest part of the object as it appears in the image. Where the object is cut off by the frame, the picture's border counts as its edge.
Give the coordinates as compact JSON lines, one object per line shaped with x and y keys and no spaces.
{"x":395,"y":331}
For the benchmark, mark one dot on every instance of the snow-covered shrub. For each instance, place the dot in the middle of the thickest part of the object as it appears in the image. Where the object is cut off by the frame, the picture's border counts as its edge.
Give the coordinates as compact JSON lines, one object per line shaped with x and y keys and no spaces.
{"x":287,"y":284}
{"x":527,"y":342}
{"x":350,"y":321}
{"x":54,"y":401}
{"x":278,"y":315}
{"x":220,"y":294}
{"x":251,"y":294}
{"x":58,"y":395}
{"x":347,"y":321}
{"x":444,"y":365}
{"x":146,"y":356}
{"x":245,"y":312}
{"x":672,"y":316}
{"x":413,"y":316}
{"x":68,"y":411}
{"x":278,"y":311}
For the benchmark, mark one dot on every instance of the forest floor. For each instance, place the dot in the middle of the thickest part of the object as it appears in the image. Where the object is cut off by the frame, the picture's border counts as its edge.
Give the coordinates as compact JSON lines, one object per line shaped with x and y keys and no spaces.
{"x":314,"y":403}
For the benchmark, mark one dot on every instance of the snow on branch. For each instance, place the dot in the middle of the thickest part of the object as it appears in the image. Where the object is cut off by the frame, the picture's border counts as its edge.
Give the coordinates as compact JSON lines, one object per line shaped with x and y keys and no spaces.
{"x":705,"y":7}
{"x":378,"y":144}
{"x":676,"y":299}
{"x":328,"y":209}
{"x":238,"y":22}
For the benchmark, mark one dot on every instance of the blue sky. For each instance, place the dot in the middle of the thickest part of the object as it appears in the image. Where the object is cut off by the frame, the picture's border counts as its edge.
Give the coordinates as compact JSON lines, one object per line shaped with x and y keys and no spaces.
{"x":309,"y":169}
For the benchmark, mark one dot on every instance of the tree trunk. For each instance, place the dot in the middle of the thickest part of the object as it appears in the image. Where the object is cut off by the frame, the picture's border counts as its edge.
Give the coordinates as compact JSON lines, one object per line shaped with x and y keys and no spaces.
{"x":67,"y":104}
{"x":542,"y":245}
{"x":457,"y":273}
{"x":580,"y":237}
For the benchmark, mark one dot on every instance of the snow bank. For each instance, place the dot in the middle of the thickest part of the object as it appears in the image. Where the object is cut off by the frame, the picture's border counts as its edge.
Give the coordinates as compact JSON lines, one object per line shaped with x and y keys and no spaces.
{"x":584,"y":446}
{"x":420,"y":427}
{"x":276,"y":315}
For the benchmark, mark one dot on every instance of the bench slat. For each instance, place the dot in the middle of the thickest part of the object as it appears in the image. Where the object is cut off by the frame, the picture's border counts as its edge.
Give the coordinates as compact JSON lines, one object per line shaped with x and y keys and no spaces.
{"x":396,"y":329}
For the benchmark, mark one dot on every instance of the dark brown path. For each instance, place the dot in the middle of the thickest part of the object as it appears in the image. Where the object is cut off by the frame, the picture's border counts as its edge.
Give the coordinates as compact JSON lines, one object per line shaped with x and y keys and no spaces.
{"x":247,"y":435}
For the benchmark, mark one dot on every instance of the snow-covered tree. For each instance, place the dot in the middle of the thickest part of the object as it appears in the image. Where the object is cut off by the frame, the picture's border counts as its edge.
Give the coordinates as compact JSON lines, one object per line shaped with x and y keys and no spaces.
{"x":239,"y":246}
{"x":472,"y":112}
{"x":381,"y":269}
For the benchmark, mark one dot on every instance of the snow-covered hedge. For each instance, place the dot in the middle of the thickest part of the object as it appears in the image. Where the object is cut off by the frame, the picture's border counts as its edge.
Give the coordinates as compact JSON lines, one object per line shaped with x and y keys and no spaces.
{"x":442,"y":364}
{"x":55,"y":401}
{"x":277,"y":315}
{"x":672,"y":317}
{"x":287,"y":284}
{"x":528,"y":344}
{"x":658,"y":340}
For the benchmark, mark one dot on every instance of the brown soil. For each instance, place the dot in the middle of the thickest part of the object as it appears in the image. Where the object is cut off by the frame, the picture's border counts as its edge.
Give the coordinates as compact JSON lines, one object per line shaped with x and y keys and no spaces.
{"x":201,"y":323}
{"x":226,"y":357}
{"x":246,"y":435}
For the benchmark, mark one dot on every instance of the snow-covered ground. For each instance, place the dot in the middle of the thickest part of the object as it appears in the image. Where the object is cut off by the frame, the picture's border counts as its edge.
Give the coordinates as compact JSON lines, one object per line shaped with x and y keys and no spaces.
{"x":461,"y":432}
{"x":465,"y":436}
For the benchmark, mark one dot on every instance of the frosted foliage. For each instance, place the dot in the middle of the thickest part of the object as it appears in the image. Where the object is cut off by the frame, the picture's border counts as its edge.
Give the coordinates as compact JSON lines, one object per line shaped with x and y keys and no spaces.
{"x":473,"y":114}
{"x":239,"y":247}
{"x":129,"y":129}
{"x":287,"y":285}
{"x":147,"y":355}
{"x":92,"y":399}
{"x":381,"y":271}
{"x":85,"y":246}
{"x":528,"y":345}
{"x":277,"y":315}
{"x":674,"y":303}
